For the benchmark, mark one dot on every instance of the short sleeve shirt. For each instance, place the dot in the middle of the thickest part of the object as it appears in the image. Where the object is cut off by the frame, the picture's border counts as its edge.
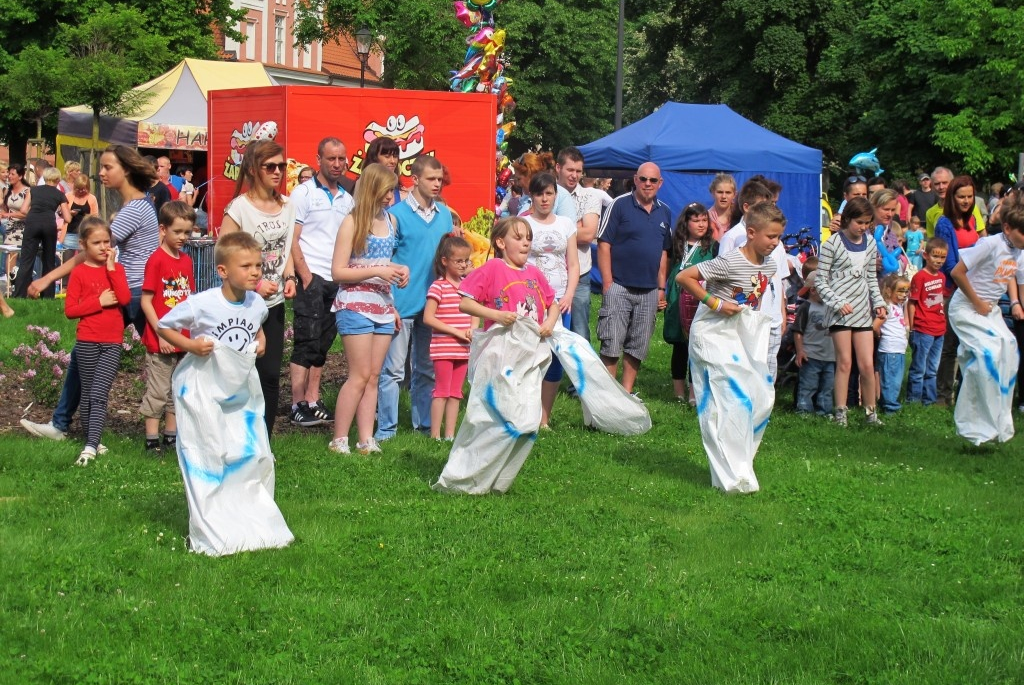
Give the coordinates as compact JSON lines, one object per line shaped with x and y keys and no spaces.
{"x":548,"y":250}
{"x":638,"y":239}
{"x":171,"y":281}
{"x":320,"y":214}
{"x":274,"y":234}
{"x":926,"y":294}
{"x":500,"y":286}
{"x":732,"y":277}
{"x":137,"y":234}
{"x":210,"y":314}
{"x":992,"y":265}
{"x":810,"y":323}
{"x":447,"y":297}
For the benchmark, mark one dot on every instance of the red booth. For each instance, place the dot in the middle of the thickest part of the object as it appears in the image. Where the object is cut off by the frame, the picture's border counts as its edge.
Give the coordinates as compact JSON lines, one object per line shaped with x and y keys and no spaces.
{"x":457,"y":128}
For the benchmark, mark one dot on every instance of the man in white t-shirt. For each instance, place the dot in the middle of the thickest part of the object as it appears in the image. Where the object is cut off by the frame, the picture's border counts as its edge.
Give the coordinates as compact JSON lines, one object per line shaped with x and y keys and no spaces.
{"x":773,"y":301}
{"x":569,"y":170}
{"x":320,"y":205}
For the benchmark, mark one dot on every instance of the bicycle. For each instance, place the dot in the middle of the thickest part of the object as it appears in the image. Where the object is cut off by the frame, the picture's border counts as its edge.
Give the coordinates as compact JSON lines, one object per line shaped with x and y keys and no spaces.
{"x":801,"y":245}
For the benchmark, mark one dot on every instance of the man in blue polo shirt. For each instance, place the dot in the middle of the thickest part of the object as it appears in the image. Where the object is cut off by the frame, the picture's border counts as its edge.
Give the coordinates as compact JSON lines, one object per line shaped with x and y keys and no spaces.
{"x":633,"y":244}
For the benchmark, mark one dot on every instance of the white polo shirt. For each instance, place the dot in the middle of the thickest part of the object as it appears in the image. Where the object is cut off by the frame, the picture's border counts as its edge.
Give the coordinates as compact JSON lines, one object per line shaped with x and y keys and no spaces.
{"x":320,"y":214}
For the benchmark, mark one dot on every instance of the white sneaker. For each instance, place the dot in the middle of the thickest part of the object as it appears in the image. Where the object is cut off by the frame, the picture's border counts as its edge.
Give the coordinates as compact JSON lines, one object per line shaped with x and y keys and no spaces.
{"x":339,"y":445}
{"x":102,"y":449}
{"x":368,"y":447}
{"x":43,"y":430}
{"x":87,"y":455}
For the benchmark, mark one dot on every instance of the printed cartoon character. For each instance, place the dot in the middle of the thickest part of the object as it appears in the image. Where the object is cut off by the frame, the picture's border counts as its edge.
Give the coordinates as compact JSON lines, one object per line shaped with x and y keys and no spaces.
{"x":408,"y":133}
{"x":759,"y":283}
{"x":251,"y":130}
{"x":175,"y":289}
{"x":528,"y":307}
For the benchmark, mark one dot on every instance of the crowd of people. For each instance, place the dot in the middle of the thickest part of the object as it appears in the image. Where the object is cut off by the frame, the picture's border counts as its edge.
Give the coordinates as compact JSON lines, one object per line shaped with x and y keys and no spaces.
{"x":385,"y":268}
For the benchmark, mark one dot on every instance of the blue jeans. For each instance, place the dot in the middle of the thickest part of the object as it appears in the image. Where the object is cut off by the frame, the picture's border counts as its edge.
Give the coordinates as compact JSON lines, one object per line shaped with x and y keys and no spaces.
{"x":890,"y":372}
{"x":71,"y":391}
{"x":925,"y":352}
{"x":814,"y":390}
{"x":580,"y":324}
{"x":421,"y":385}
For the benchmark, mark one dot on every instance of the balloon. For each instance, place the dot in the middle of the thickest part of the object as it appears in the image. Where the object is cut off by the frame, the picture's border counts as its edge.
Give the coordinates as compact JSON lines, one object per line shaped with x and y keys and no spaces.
{"x":481,"y":38}
{"x":500,"y":137}
{"x":468,"y":17}
{"x":503,"y":164}
{"x":499,"y":194}
{"x":483,"y":5}
{"x":469,"y":85}
{"x":504,"y":177}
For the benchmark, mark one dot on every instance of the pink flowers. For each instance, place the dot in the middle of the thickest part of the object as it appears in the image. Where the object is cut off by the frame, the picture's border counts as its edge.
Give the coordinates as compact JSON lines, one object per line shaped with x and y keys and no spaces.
{"x":40,"y":366}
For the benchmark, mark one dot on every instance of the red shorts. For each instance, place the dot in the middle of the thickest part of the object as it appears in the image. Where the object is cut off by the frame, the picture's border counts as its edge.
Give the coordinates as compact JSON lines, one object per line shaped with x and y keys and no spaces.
{"x":449,"y":375}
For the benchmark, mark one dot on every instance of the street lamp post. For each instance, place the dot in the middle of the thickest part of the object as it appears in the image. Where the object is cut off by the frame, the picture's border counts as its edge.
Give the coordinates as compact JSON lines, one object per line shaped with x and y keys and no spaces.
{"x":363,"y":49}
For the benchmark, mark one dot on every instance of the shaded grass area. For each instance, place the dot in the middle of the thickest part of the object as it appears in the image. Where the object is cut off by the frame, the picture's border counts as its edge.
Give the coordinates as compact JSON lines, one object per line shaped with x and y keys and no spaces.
{"x":870,"y":556}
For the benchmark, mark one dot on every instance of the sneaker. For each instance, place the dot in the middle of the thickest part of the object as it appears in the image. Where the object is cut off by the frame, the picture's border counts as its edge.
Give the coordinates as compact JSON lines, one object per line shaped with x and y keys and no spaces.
{"x":873,"y":419}
{"x":153,"y":446}
{"x":43,"y":430}
{"x":339,"y":445}
{"x":302,"y":416}
{"x":321,"y":412}
{"x":839,"y":418}
{"x":87,"y":455}
{"x":170,"y":441}
{"x":102,"y":449}
{"x":368,"y":447}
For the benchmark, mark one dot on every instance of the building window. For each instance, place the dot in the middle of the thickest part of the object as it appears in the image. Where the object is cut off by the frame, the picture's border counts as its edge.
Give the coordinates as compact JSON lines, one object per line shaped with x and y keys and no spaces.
{"x":279,"y":39}
{"x":250,"y":40}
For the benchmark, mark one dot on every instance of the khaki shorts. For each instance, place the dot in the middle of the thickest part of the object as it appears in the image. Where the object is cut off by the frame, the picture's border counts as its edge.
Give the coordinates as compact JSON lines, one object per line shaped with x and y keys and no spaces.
{"x":157,"y":401}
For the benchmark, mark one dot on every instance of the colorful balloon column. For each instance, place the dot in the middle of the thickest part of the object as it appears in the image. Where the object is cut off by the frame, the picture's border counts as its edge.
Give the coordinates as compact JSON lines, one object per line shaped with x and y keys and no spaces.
{"x":483,"y":72}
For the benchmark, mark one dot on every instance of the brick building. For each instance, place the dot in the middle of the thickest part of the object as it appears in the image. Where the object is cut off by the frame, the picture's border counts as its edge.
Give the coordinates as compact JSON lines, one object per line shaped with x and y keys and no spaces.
{"x":268,"y":28}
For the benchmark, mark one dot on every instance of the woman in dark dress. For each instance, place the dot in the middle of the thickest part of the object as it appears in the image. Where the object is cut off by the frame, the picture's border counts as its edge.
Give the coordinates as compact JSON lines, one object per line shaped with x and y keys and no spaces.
{"x":41,"y":231}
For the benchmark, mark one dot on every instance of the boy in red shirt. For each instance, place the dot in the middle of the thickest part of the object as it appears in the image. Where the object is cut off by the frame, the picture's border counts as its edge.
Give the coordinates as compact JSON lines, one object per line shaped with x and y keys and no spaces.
{"x":168,"y":282}
{"x":927,"y":323}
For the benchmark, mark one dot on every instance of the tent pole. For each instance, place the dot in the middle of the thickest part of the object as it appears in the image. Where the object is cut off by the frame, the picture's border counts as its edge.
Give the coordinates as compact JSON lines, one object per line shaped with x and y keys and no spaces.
{"x":618,"y":65}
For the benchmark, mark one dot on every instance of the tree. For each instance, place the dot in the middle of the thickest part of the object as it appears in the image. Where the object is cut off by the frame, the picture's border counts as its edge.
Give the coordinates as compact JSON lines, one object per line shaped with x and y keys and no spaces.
{"x":187,"y":26}
{"x":770,"y":60}
{"x":561,"y":56}
{"x":942,"y":83}
{"x":111,"y":56}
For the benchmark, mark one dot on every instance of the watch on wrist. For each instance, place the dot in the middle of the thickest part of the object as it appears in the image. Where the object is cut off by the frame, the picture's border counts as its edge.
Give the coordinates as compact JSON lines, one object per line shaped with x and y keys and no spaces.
{"x":291,"y":278}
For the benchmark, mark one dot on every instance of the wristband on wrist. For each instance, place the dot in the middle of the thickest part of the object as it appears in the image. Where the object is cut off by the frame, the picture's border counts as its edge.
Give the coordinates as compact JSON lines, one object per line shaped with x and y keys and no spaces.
{"x":1015,"y":303}
{"x":719,"y":304}
{"x":707,"y":296}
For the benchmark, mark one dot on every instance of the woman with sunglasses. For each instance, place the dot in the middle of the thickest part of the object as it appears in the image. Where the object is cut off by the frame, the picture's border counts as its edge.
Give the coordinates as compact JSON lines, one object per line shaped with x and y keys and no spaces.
{"x":265,"y":214}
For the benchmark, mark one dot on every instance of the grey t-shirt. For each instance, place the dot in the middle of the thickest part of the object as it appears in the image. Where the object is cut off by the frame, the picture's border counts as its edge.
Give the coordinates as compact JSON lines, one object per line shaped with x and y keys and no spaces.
{"x":810,"y":322}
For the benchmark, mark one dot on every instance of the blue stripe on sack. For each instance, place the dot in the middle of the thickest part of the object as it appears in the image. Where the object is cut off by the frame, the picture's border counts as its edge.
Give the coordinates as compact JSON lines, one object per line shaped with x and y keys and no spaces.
{"x":761,"y":426}
{"x":993,"y":370}
{"x":742,"y":396}
{"x":492,"y":405}
{"x":249,"y":452}
{"x":705,"y":398}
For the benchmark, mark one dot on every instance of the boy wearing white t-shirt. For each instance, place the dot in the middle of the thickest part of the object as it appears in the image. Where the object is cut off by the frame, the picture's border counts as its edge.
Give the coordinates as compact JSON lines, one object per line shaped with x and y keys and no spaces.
{"x":233,"y":314}
{"x":988,"y":353}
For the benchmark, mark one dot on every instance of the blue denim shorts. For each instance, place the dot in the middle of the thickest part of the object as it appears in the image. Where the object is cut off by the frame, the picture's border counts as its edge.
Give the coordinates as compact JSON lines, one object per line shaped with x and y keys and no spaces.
{"x":354,"y":323}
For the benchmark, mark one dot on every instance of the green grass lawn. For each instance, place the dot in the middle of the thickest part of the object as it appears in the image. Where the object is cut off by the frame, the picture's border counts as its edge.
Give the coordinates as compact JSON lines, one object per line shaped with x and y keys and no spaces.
{"x":870,"y":556}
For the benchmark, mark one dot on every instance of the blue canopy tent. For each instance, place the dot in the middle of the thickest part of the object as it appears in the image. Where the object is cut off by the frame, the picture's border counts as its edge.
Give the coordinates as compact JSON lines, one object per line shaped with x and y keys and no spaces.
{"x":691,"y":143}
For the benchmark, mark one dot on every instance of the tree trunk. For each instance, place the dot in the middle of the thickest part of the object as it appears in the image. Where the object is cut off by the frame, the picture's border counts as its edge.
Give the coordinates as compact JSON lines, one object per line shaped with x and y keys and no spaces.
{"x":102,"y":194}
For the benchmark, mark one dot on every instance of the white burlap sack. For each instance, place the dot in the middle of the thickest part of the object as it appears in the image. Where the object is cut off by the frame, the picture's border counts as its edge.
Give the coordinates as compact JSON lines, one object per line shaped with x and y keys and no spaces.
{"x":735,"y":393}
{"x":988,"y":360}
{"x":224,"y":454}
{"x":506,"y":367}
{"x":606,"y":405}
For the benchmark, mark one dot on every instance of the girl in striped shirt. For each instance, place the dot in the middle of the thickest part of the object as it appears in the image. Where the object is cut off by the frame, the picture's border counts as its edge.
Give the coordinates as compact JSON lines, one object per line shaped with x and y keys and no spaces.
{"x":453,"y":330}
